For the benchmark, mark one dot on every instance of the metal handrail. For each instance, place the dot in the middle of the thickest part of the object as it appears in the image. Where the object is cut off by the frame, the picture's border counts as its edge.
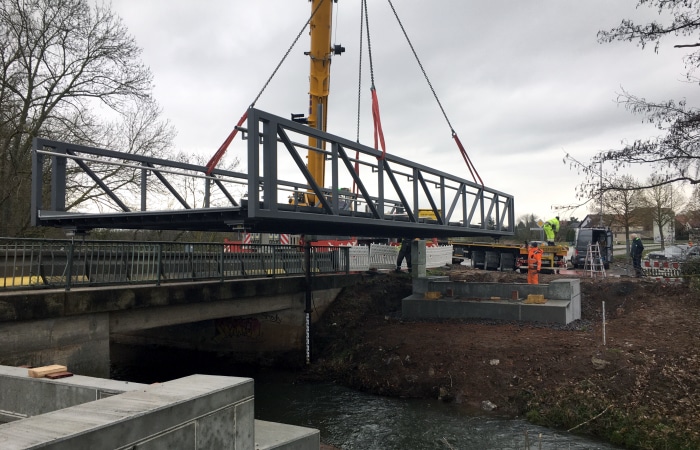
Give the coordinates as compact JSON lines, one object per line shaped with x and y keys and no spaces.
{"x":63,"y":263}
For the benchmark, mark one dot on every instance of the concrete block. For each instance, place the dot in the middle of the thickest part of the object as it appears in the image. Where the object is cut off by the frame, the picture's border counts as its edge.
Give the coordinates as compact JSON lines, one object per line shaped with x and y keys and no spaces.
{"x":498,"y":301}
{"x":278,"y":436}
{"x":421,"y":285}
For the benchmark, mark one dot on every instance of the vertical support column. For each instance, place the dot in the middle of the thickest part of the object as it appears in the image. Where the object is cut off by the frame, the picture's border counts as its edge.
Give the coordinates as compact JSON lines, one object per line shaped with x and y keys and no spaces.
{"x":253,"y":162}
{"x":37,"y":178}
{"x":465,"y":204}
{"x":269,"y":199}
{"x":335,"y":184}
{"x":416,"y":206}
{"x":443,"y":204}
{"x":380,"y":188}
{"x":418,"y":259}
{"x":144,"y":187}
{"x":58,"y":181}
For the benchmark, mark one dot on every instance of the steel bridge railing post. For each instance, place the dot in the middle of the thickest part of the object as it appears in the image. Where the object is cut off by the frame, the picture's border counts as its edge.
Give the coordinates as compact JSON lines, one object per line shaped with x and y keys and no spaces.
{"x":221,"y":264}
{"x":346,"y":257}
{"x":274,"y":261}
{"x":69,"y":265}
{"x":159,"y":263}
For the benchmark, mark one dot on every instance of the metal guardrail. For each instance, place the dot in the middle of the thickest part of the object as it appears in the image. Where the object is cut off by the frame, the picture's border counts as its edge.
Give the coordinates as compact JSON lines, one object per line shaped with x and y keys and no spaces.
{"x":43,"y":263}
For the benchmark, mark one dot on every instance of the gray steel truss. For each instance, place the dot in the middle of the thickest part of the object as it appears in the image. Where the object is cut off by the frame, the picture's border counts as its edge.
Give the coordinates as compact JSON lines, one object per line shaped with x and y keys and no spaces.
{"x":367,"y":195}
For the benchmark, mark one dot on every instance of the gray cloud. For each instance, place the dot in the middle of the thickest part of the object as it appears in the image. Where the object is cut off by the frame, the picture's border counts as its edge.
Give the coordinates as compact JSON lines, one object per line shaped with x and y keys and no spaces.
{"x":522,"y":82}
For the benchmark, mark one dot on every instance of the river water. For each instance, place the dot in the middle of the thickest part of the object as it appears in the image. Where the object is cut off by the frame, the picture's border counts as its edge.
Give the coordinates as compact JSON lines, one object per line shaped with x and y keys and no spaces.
{"x":349,"y":419}
{"x":352,"y":420}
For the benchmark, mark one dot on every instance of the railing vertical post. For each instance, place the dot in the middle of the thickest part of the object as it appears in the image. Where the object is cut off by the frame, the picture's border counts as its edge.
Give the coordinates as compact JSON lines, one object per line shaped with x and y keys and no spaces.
{"x":346,"y":255}
{"x":222,"y":255}
{"x":159,"y":263}
{"x":69,"y":265}
{"x":274,"y":261}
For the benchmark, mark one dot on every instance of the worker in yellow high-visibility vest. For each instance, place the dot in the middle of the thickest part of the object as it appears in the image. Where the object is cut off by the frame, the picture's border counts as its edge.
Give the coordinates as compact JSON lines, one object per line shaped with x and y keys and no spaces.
{"x":551,"y":228}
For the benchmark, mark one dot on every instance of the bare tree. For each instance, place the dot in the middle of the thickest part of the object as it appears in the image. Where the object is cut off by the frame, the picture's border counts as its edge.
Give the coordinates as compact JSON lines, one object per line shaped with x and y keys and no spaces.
{"x":138,"y":129}
{"x":526,"y":229}
{"x":675,"y":154}
{"x":194,"y":189}
{"x":694,"y":200}
{"x":58,"y":59}
{"x":626,"y":206}
{"x":663,"y":200}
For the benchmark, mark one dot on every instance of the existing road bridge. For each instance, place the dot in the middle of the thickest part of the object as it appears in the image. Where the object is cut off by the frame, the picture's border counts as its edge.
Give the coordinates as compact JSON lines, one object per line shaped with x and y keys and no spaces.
{"x":63,"y":301}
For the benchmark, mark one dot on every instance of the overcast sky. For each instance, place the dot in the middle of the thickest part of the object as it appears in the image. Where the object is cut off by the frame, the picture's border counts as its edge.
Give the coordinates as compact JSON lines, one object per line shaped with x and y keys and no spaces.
{"x":522,"y":82}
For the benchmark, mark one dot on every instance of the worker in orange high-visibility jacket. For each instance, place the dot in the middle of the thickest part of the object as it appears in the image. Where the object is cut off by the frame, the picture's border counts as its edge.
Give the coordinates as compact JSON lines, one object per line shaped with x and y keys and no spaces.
{"x":534,"y":264}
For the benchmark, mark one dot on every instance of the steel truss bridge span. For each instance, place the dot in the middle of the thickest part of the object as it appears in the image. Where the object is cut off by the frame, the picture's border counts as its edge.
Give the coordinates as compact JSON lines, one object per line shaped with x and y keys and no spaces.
{"x":369,"y":195}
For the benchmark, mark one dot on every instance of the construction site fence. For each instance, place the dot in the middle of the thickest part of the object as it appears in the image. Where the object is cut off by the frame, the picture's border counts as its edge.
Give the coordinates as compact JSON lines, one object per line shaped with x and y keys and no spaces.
{"x":385,"y":256}
{"x":64,"y":263}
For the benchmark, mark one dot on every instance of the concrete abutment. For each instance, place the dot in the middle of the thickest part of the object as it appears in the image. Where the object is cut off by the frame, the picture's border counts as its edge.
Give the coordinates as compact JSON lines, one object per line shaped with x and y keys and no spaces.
{"x":499,"y":301}
{"x":74,"y":328}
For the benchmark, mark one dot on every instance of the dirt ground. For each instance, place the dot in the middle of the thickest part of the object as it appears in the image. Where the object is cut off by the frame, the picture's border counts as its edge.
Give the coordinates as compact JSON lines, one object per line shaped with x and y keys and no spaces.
{"x":639,"y":389}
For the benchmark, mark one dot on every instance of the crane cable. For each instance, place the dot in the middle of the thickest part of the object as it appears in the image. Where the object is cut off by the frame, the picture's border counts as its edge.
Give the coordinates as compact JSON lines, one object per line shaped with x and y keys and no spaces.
{"x":467,"y":160}
{"x":359,"y":96}
{"x":378,"y":132}
{"x":211,"y":165}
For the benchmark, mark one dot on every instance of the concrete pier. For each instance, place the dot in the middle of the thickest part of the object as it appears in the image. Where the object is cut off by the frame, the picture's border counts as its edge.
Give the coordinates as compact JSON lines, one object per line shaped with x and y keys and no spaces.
{"x":498,"y":301}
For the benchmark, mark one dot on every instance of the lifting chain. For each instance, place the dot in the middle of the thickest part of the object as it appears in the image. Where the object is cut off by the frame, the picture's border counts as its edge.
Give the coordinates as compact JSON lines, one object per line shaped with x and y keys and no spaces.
{"x":403,"y":30}
{"x":313,"y":13}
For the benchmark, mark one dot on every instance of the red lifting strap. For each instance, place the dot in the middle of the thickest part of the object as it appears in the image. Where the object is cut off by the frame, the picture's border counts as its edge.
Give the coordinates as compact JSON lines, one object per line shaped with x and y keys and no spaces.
{"x":470,"y":166}
{"x":378,"y":133}
{"x":211,"y":165}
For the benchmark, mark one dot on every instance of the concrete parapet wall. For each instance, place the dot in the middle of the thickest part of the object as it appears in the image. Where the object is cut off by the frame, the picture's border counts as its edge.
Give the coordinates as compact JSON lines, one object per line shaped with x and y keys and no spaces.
{"x":22,"y":397}
{"x":500,"y":301}
{"x":196,"y":412}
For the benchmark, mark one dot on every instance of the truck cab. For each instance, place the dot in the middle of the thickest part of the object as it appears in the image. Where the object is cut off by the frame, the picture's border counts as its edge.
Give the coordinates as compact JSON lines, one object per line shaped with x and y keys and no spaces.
{"x":590,"y":236}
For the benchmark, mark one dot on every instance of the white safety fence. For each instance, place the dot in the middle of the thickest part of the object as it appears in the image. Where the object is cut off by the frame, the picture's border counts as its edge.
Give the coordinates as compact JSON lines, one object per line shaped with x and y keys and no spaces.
{"x":359,"y":258}
{"x":383,"y":256}
{"x":380,"y":256}
{"x":438,"y":256}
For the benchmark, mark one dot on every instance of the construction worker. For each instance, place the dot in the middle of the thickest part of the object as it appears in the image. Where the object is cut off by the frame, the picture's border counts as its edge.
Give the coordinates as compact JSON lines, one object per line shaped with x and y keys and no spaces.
{"x":404,"y":252}
{"x":636,"y":251}
{"x":534,"y":264}
{"x":551,"y":228}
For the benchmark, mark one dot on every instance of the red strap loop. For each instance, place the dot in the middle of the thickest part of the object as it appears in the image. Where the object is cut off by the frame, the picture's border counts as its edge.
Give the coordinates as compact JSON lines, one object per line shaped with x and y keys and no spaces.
{"x":211,"y":165}
{"x":470,"y":166}
{"x":378,"y":133}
